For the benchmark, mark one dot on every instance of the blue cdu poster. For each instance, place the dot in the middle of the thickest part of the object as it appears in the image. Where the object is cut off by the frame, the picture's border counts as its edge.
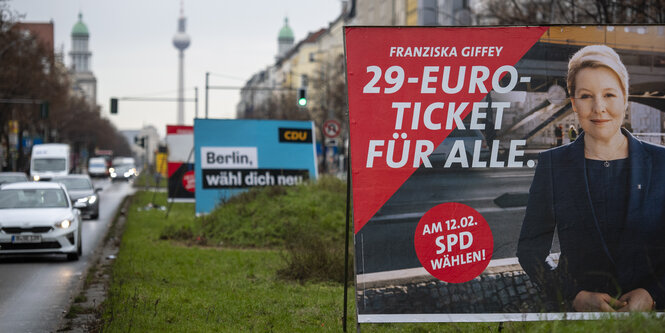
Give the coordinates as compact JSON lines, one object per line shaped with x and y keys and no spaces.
{"x":232,"y":156}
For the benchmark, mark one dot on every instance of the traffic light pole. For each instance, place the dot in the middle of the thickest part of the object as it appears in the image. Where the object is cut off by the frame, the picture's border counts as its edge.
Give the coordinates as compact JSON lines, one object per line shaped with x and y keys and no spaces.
{"x":114,"y":100}
{"x":207,"y":87}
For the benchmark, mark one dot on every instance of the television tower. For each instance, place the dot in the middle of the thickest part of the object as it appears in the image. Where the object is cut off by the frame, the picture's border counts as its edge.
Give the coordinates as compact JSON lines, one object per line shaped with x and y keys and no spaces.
{"x":181,"y":42}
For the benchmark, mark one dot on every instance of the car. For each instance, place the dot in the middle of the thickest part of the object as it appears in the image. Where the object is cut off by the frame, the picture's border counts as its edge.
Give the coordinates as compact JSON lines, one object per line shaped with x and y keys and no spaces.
{"x":39,"y":218}
{"x":12,"y":177}
{"x":123,"y":172}
{"x":97,"y":167}
{"x":469,"y":138}
{"x":82,"y":193}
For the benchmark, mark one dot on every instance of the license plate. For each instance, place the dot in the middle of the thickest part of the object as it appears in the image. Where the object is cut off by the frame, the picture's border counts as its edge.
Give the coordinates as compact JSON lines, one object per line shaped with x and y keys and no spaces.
{"x":26,"y":239}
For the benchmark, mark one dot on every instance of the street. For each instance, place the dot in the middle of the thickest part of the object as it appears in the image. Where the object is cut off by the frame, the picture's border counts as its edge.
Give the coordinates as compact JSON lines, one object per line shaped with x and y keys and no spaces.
{"x":386,"y":242}
{"x":35,"y":291}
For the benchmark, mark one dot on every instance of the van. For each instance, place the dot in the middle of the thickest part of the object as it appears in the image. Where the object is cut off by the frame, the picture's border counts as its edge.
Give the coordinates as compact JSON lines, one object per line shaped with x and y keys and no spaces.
{"x":49,"y":160}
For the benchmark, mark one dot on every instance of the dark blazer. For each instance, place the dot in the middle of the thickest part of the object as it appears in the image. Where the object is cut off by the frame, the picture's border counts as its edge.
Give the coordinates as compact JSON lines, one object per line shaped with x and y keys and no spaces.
{"x":559,"y":198}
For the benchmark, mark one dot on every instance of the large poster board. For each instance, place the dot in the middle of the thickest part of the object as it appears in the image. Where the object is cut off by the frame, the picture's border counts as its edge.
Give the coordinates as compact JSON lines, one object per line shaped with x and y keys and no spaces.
{"x":449,"y":128}
{"x":235,"y":155}
{"x":180,"y":145}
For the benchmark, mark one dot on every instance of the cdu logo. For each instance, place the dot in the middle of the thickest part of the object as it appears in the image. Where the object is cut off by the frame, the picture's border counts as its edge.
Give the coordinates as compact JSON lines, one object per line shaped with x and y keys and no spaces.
{"x":295,"y":135}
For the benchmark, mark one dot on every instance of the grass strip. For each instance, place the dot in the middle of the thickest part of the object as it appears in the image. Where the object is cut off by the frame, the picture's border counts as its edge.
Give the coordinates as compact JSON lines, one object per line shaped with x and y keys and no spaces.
{"x":170,"y":286}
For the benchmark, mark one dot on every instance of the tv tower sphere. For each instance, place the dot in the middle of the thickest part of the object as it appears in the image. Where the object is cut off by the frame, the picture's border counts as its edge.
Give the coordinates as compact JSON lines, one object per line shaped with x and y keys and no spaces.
{"x":181,"y":40}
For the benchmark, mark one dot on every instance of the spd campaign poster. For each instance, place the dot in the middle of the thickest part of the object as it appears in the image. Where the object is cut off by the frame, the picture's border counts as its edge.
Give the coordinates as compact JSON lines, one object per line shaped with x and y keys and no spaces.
{"x":236,"y":155}
{"x":473,"y":196}
{"x":180,"y":145}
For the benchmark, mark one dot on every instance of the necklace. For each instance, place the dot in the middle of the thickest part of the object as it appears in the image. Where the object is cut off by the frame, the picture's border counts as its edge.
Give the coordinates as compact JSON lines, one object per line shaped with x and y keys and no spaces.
{"x":606,"y":161}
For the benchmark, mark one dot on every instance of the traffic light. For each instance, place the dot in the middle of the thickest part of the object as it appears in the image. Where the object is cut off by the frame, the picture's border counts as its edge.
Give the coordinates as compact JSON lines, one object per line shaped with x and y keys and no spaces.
{"x":302,"y":97}
{"x":114,"y":105}
{"x":43,"y":111}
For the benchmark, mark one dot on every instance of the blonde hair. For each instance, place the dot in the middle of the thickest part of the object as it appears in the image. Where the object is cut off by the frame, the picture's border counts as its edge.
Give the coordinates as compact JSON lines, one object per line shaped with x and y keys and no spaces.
{"x":594,"y":56}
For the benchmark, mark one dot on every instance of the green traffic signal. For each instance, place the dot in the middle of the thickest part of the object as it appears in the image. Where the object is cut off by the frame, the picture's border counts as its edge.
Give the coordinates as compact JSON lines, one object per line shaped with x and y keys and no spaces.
{"x":302,"y":97}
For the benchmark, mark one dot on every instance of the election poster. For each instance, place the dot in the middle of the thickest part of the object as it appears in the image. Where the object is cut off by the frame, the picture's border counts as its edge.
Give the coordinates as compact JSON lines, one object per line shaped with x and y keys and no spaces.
{"x":180,"y":163}
{"x":232,"y":156}
{"x":507,"y":173}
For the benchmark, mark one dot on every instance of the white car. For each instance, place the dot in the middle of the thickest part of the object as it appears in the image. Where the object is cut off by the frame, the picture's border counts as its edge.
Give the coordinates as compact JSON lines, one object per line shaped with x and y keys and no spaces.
{"x":38,"y":218}
{"x":97,"y":167}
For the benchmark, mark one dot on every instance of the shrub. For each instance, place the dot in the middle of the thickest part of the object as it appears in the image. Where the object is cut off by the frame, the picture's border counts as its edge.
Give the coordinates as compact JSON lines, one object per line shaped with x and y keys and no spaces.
{"x":311,"y":257}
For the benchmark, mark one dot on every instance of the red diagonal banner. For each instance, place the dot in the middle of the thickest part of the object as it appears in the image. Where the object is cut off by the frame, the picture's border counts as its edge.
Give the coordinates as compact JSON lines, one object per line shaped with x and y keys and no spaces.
{"x":409,"y":87}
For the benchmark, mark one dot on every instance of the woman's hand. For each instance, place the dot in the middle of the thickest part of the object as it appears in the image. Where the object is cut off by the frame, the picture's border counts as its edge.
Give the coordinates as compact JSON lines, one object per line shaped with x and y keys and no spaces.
{"x":637,"y":300}
{"x":587,"y":301}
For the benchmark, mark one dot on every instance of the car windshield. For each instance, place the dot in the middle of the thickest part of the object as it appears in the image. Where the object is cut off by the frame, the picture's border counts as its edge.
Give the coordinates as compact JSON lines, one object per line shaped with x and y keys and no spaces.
{"x":33,"y":198}
{"x":97,"y":165}
{"x":74,"y":183}
{"x":123,"y":168}
{"x":12,"y":179}
{"x":48,"y":164}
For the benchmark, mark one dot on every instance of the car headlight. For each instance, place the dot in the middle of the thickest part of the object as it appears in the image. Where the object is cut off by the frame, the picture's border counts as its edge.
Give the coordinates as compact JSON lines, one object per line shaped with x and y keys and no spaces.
{"x":88,"y":200}
{"x":64,"y":224}
{"x":113,"y":174}
{"x":35,"y":178}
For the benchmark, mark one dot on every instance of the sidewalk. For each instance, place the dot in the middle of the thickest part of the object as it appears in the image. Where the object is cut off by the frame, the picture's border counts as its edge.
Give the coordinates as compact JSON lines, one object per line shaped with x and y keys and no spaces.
{"x":502,"y":288}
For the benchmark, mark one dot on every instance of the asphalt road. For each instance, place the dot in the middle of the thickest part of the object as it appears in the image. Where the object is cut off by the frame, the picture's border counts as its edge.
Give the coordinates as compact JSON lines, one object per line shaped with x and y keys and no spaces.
{"x":35,"y":291}
{"x":386,"y":242}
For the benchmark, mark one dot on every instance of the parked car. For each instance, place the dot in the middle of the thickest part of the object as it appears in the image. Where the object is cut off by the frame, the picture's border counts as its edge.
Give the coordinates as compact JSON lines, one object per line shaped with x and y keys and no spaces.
{"x":123,"y":172}
{"x":97,"y":167}
{"x":12,"y":177}
{"x":39,"y":218}
{"x":82,"y":193}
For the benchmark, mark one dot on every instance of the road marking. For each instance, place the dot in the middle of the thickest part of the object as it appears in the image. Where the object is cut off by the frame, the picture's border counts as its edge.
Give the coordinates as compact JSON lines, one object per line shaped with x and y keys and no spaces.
{"x":511,"y":175}
{"x":418,"y":215}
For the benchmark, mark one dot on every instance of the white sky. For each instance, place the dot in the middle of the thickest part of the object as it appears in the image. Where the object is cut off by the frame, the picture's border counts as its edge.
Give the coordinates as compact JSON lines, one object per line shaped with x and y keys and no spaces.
{"x":133,"y":53}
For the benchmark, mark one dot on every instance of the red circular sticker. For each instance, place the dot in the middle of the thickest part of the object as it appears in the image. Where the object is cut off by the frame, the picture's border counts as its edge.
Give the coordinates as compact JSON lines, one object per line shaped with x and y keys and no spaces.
{"x":189,"y":181}
{"x":453,"y":242}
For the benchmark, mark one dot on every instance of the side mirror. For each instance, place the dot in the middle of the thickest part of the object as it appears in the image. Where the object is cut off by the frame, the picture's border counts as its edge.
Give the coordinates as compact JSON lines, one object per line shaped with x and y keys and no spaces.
{"x":98,"y":189}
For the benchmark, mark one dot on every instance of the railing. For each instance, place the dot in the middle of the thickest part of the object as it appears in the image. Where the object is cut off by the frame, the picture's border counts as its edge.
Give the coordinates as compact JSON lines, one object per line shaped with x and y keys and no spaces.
{"x":656,"y":138}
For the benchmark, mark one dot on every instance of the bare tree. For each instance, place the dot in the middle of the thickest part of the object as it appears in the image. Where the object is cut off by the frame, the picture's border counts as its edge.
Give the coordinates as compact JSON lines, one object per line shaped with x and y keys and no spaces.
{"x":30,"y":72}
{"x":536,"y":12}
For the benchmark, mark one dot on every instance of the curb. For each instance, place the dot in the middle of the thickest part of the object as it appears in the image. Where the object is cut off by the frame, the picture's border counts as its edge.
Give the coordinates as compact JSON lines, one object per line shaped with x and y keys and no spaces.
{"x":86,"y":315}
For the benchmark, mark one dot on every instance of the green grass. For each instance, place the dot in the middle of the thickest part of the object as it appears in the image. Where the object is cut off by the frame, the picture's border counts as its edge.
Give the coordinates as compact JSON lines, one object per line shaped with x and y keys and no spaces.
{"x":165,"y":285}
{"x":147,"y":179}
{"x":265,"y":217}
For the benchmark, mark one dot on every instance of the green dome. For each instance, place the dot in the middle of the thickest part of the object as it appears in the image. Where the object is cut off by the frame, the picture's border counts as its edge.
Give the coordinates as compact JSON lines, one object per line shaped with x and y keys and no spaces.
{"x":286,"y":32}
{"x":79,"y":28}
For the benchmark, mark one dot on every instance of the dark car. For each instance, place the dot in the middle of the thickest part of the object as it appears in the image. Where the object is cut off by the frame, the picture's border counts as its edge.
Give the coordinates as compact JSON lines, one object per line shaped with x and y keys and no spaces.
{"x":12,"y":177}
{"x":82,"y":193}
{"x":123,"y":172}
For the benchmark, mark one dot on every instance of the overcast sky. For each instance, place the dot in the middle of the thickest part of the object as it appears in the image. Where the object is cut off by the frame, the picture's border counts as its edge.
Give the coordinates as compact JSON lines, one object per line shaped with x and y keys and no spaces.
{"x":133,"y":53}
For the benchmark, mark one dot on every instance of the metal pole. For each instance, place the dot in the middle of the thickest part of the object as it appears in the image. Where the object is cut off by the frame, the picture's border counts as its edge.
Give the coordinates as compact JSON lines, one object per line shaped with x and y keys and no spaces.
{"x":207,"y":76}
{"x":181,"y":89}
{"x":196,"y":102}
{"x":346,"y":244}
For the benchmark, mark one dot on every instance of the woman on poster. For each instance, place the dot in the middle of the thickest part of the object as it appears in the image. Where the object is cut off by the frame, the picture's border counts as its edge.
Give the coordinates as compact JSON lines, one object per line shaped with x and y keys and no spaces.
{"x":604,"y":193}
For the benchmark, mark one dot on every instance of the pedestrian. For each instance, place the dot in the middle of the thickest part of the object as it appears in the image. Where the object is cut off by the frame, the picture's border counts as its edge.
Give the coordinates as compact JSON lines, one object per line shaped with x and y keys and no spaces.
{"x":572,"y":133}
{"x":558,"y":134}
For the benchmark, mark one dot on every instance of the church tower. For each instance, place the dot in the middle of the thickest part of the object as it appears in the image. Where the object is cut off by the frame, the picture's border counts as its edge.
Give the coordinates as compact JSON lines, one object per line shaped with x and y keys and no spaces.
{"x":85,"y":82}
{"x":284,"y":39}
